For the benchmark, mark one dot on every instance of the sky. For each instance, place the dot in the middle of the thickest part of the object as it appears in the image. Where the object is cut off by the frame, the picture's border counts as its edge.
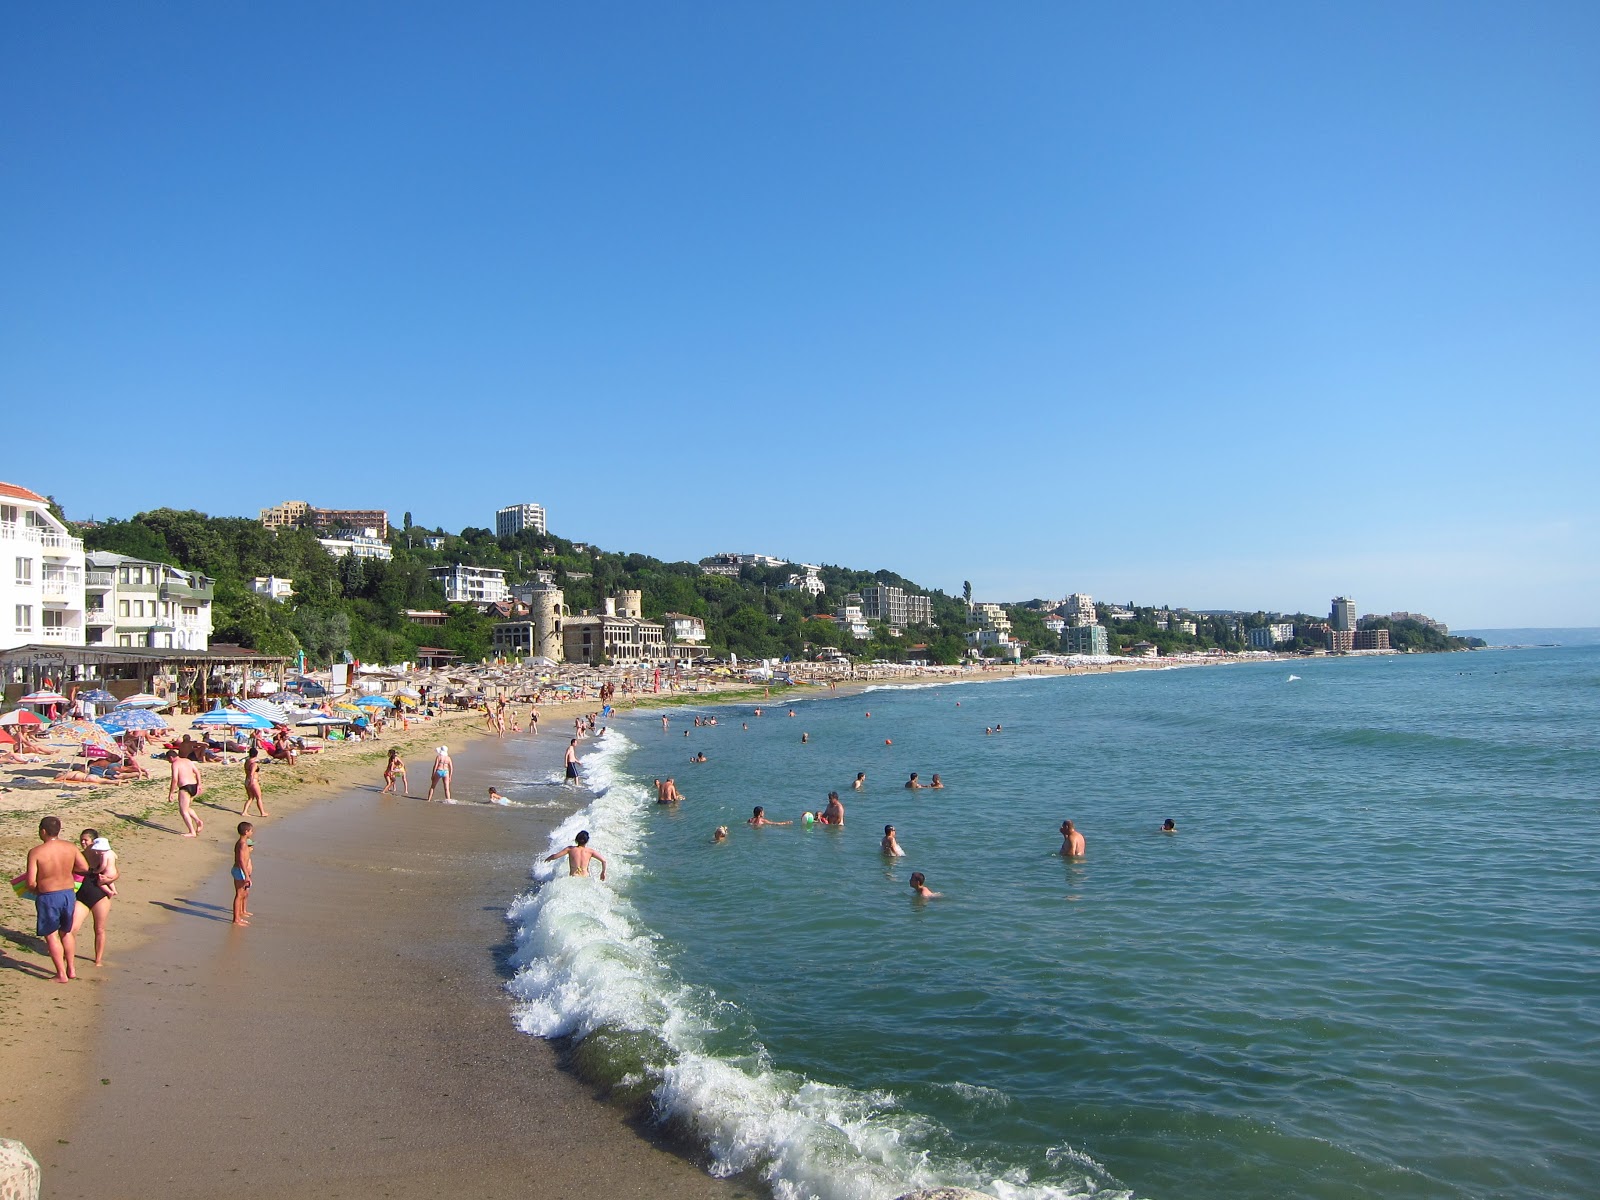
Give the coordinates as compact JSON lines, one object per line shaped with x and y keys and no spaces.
{"x":1222,"y":306}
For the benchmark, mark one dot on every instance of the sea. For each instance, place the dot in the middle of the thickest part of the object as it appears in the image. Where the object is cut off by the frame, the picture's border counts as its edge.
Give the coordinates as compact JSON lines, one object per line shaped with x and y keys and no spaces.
{"x":1366,"y":964}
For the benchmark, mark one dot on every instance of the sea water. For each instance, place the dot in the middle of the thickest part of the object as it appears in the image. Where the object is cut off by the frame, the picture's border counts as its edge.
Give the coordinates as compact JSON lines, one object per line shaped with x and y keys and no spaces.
{"x":1367,"y":964}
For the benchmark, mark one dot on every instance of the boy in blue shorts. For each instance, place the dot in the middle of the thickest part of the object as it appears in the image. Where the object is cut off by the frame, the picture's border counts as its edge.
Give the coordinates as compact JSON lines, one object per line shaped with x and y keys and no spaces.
{"x":51,"y":866}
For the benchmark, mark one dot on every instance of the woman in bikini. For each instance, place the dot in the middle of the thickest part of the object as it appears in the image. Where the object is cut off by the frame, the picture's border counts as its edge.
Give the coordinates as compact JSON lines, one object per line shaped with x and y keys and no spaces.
{"x":252,"y":782}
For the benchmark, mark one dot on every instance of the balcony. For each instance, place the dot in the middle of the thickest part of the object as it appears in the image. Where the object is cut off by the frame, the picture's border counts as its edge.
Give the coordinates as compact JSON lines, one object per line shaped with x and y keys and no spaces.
{"x":100,"y":580}
{"x":69,"y":635}
{"x":60,"y":585}
{"x":51,"y":541}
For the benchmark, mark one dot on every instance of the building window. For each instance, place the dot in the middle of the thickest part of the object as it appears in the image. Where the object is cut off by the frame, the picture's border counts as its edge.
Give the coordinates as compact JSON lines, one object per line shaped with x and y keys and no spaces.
{"x":122,"y":575}
{"x":53,"y":619}
{"x":24,"y":618}
{"x":124,"y":639}
{"x":122,"y":611}
{"x":24,"y":572}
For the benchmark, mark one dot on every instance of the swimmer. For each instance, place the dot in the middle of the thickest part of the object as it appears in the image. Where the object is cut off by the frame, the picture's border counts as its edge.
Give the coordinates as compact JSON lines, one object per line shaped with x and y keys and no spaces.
{"x":861,"y":780}
{"x":937,"y":782}
{"x":913,"y":783}
{"x":496,"y":798}
{"x":1072,"y":844}
{"x":1169,"y":826}
{"x":759,"y":818}
{"x":667,"y":791}
{"x":889,"y":845}
{"x":920,"y":888}
{"x":804,"y":738}
{"x":834,"y":813}
{"x":720,"y":834}
{"x":578,"y":856}
{"x":700,"y":758}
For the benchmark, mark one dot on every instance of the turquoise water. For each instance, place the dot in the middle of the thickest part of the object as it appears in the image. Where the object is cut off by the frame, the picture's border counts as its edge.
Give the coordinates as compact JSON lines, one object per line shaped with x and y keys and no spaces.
{"x":1367,"y":964}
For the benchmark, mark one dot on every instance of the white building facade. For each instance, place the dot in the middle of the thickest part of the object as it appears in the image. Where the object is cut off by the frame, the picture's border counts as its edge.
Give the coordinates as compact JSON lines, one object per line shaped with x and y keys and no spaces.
{"x":41,"y":574}
{"x":136,"y":602}
{"x":471,"y":585}
{"x":1078,"y":608}
{"x":514,"y":518}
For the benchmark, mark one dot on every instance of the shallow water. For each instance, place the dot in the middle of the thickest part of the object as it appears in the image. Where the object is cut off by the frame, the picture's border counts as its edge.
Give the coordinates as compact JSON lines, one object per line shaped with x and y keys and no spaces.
{"x":1366,"y":964}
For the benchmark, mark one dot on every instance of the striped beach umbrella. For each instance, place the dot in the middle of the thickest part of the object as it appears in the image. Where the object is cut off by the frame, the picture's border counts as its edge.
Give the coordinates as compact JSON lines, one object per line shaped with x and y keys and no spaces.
{"x":44,"y":697}
{"x":85,"y":733}
{"x":220,"y":718}
{"x":143,"y":700}
{"x":275,"y":713}
{"x":21,"y":716}
{"x":97,"y":696}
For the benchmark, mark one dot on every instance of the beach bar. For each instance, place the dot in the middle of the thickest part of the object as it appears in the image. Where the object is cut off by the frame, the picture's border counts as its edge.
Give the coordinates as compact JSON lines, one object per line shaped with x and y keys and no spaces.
{"x":192,"y":675}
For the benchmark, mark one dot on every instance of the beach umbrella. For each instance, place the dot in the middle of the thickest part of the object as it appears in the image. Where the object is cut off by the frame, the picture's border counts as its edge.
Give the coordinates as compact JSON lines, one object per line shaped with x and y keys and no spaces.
{"x":375,"y":702}
{"x":127,"y":720}
{"x":85,"y":733}
{"x":45,"y":697}
{"x":220,"y":717}
{"x":321,"y":719}
{"x":275,"y":713}
{"x":97,"y":696}
{"x":342,"y":706}
{"x":410,"y":693}
{"x":143,"y":700}
{"x":18,"y":716}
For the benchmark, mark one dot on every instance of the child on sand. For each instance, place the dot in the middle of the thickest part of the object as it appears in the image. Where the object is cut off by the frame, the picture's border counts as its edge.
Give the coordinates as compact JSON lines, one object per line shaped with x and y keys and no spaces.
{"x":252,"y":783}
{"x":243,"y":870}
{"x":394,"y":769}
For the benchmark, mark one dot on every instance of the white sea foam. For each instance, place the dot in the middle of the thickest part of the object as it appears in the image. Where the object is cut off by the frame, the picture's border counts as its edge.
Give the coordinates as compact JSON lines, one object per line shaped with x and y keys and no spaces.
{"x":584,"y":962}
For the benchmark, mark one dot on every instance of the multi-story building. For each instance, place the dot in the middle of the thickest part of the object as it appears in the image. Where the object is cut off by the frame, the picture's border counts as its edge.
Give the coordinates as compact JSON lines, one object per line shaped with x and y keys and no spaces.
{"x":136,"y":602}
{"x":809,"y":583}
{"x":681,"y":627}
{"x":272,"y":587}
{"x":471,"y":585}
{"x":331,"y":521}
{"x":1078,"y":609}
{"x":1343,"y":615}
{"x":1267,"y":636}
{"x":896,"y":606}
{"x":1085,"y":639}
{"x":619,"y":635}
{"x":1055,"y":624}
{"x":1371,"y":639}
{"x":988,"y":616}
{"x":1341,"y":641}
{"x":1419,"y":618}
{"x":362,"y":544}
{"x":42,"y":586}
{"x":731,"y":564}
{"x":514,"y":518}
{"x":1188,"y":627}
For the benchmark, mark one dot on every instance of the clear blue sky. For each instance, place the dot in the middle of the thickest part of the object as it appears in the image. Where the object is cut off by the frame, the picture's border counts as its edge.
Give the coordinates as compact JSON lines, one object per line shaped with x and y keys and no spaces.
{"x":1218,"y":305}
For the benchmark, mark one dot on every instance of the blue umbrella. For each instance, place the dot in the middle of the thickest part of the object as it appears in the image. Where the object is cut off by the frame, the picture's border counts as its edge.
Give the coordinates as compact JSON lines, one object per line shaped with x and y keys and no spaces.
{"x":97,"y":696}
{"x":375,"y":702}
{"x":124,"y":720}
{"x":219,"y":717}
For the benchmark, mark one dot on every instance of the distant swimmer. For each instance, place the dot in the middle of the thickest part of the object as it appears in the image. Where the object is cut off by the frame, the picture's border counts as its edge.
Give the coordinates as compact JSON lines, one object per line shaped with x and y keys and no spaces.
{"x":1072,"y":844}
{"x":861,"y":780}
{"x":890,"y":846}
{"x":834,"y":813}
{"x":578,"y":856}
{"x":987,"y":732}
{"x":805,"y":737}
{"x":663,"y":722}
{"x":759,"y":818}
{"x":937,"y":782}
{"x":700,"y":758}
{"x":1169,"y":826}
{"x":791,"y":712}
{"x":913,"y":784}
{"x":920,"y":888}
{"x":719,"y":834}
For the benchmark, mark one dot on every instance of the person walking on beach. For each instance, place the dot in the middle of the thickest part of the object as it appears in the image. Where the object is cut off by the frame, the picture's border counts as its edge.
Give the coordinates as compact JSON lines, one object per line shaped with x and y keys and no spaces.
{"x":96,"y":891}
{"x":443,"y":768}
{"x":1072,"y":844}
{"x":186,"y":787}
{"x":51,"y":866}
{"x":243,"y":872}
{"x":571,"y":760}
{"x":252,"y":783}
{"x":394,"y":768}
{"x":578,"y":856}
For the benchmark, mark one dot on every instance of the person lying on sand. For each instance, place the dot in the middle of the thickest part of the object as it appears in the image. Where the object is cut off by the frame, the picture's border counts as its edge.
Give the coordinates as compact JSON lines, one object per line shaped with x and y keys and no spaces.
{"x":80,"y":776}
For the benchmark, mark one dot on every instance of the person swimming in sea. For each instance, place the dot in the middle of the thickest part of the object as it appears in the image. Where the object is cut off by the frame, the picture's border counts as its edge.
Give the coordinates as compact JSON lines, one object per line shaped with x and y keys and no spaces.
{"x":920,"y":889}
{"x":1169,"y":826}
{"x":891,"y":847}
{"x":759,"y":818}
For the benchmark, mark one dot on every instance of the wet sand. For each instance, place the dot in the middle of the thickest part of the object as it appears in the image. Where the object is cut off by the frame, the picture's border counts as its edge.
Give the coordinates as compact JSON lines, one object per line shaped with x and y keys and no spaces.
{"x":356,"y":1039}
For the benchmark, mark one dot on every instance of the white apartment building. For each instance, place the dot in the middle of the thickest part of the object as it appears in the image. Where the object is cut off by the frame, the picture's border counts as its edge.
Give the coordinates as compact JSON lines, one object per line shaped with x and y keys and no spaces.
{"x":365,"y":544}
{"x":988,"y":616}
{"x":885,"y":602}
{"x":136,"y":602}
{"x":681,"y":627}
{"x":809,"y":583}
{"x":1078,"y":608}
{"x":41,"y":574}
{"x":272,"y":587}
{"x":1268,"y":636}
{"x":850,"y":616}
{"x":471,"y":585}
{"x":514,"y":518}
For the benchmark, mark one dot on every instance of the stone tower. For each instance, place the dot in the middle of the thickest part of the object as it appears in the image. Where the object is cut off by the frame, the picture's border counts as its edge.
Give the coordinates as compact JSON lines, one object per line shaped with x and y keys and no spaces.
{"x":631,"y":604}
{"x":547,"y":609}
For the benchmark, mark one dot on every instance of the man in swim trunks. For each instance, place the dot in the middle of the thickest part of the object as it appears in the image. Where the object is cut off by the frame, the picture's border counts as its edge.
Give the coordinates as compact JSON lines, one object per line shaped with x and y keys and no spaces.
{"x":572,"y":760}
{"x":443,"y":769}
{"x":51,"y":865}
{"x":185,"y":787}
{"x":1072,"y":844}
{"x":667,"y":792}
{"x":834,"y":813}
{"x":578,"y":856}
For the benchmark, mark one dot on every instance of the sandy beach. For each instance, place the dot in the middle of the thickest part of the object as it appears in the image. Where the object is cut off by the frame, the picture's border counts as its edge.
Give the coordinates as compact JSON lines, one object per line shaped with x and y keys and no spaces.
{"x":354,"y":1040}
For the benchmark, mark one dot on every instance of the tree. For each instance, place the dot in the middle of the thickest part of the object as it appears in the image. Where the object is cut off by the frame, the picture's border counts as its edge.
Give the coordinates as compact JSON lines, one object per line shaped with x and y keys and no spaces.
{"x":966,"y":591}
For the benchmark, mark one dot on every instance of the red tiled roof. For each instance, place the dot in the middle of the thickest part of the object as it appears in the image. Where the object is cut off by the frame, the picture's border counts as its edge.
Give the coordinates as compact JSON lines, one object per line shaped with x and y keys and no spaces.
{"x":13,"y":492}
